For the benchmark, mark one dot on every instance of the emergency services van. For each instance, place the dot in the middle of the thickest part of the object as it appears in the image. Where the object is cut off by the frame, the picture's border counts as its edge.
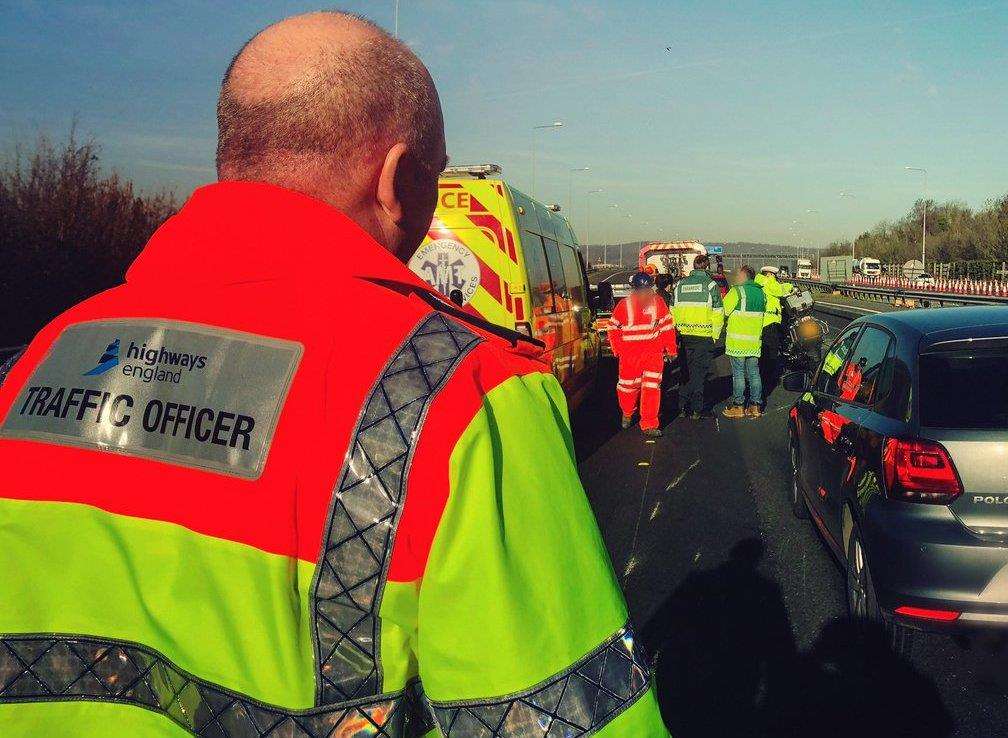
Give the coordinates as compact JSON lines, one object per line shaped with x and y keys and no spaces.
{"x":515,"y":262}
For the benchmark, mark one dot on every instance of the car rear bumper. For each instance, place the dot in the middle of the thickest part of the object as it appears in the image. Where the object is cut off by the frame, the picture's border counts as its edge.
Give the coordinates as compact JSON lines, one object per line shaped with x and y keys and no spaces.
{"x":922,"y":557}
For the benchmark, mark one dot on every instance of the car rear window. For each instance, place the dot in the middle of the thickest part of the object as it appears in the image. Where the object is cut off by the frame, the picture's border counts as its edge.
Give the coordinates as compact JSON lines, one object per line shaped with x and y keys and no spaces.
{"x":964,"y":389}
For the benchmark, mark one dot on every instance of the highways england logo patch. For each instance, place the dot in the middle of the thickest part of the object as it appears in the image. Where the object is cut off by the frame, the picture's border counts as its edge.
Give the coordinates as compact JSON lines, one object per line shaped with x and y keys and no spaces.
{"x":448,"y":266}
{"x":108,"y":360}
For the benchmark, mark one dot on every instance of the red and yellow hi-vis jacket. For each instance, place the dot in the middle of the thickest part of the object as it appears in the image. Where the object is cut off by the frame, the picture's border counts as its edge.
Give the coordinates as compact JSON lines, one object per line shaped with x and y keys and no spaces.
{"x":264,"y":488}
{"x":639,"y":326}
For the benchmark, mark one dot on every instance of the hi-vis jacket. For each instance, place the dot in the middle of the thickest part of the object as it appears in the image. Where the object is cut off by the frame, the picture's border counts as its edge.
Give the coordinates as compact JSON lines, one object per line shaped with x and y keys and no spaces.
{"x":635,"y":328}
{"x":744,"y":307}
{"x":697,"y":306}
{"x":773,"y":291}
{"x":224,"y":513}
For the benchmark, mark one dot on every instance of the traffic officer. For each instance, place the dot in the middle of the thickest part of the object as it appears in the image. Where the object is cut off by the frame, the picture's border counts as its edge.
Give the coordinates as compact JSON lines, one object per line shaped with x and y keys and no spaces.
{"x":744,"y":308}
{"x":699,"y":318}
{"x":773,"y":329}
{"x":642,"y":335}
{"x":226,"y":514}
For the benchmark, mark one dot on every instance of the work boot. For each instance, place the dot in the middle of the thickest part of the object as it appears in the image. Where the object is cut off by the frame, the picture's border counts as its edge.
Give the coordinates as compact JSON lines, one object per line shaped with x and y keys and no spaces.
{"x":734,"y":412}
{"x":627,"y":421}
{"x":652,"y":432}
{"x":753,"y":411}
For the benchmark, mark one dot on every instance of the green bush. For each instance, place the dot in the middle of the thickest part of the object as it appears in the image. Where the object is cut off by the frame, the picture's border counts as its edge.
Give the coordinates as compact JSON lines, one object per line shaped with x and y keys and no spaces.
{"x":955,"y":233}
{"x":67,"y":231}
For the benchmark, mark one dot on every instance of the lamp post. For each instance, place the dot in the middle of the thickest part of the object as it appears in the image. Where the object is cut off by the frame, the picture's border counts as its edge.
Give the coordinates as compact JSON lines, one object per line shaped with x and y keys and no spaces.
{"x":849,"y":195}
{"x":923,"y":171}
{"x":546,"y":126}
{"x":605,"y":247}
{"x":588,"y":216}
{"x":570,"y":188}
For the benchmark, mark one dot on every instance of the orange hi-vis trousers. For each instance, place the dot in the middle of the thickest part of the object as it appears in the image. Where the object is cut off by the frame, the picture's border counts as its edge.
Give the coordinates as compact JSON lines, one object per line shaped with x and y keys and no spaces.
{"x":640,"y":376}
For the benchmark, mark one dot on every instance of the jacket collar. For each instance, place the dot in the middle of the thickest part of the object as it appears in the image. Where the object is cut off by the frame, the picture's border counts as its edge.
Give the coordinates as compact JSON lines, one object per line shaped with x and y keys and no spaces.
{"x":232,"y":232}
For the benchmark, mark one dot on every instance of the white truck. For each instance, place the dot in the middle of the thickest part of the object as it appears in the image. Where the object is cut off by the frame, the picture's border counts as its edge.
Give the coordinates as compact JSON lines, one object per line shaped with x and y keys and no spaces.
{"x":803,"y":270}
{"x":870,"y":267}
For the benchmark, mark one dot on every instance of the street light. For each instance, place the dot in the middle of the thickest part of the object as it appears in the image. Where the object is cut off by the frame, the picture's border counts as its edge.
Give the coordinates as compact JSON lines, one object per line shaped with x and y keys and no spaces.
{"x":605,"y":246}
{"x":570,"y":188}
{"x":809,"y":211}
{"x":588,"y":216}
{"x":923,"y":171}
{"x":551,"y":126}
{"x":850,"y":195}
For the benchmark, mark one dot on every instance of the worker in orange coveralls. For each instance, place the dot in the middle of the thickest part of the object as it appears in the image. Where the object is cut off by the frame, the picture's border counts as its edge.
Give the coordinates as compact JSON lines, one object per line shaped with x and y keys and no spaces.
{"x":642,"y":335}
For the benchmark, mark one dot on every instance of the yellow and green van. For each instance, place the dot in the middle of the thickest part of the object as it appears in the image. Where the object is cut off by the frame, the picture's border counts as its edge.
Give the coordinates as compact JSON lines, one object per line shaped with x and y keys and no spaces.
{"x":515,"y":262}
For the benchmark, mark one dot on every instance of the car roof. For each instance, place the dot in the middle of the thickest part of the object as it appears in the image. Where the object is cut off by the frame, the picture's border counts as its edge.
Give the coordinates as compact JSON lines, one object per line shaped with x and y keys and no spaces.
{"x":936,"y":325}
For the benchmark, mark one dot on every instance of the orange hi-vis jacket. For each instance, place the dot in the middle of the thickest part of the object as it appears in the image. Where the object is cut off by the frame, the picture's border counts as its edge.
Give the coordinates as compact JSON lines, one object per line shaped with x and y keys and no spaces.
{"x":272,"y":485}
{"x":636,"y":328}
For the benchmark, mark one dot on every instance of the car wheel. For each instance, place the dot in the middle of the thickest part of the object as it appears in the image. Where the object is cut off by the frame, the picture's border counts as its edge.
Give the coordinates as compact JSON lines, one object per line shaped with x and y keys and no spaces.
{"x":861,"y":601}
{"x":798,"y":508}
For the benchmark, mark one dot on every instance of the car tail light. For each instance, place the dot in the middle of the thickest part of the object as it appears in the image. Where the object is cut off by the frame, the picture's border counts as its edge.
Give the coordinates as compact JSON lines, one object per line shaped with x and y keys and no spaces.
{"x":924,"y":613}
{"x":920,"y":471}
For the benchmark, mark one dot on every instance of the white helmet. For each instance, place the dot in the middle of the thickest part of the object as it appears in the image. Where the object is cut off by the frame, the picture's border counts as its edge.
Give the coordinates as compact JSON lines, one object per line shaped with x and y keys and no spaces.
{"x":769,"y":270}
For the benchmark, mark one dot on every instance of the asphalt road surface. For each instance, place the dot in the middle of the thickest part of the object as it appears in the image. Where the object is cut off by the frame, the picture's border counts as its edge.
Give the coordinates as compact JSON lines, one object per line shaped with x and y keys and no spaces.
{"x":741,"y":603}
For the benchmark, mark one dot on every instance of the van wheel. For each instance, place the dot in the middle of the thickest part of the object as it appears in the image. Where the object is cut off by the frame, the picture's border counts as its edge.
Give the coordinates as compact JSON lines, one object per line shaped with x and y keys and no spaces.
{"x":862,"y":603}
{"x":798,"y":508}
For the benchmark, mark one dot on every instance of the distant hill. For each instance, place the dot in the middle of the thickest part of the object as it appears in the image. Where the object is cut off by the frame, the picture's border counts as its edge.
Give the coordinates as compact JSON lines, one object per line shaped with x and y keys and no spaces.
{"x":596,"y":252}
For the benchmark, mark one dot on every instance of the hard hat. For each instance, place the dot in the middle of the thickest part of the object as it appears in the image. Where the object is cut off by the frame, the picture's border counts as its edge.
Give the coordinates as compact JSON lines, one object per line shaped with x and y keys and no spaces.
{"x":642,"y":281}
{"x":769,"y":270}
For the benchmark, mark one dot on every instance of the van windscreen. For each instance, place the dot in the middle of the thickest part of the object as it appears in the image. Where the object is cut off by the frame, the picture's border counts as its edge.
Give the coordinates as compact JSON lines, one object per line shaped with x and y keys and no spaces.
{"x":964,"y":388}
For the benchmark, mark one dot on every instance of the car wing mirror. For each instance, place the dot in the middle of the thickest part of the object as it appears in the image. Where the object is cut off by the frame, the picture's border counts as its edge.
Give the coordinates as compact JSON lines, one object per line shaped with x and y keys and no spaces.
{"x":796,"y":381}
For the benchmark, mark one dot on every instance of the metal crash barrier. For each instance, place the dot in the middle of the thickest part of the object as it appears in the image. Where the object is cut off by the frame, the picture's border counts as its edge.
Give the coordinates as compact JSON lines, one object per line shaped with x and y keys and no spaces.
{"x":897,"y":296}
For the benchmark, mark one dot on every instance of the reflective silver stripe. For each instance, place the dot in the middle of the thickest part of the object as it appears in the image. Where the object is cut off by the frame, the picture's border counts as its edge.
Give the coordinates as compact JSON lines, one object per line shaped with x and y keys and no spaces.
{"x":56,"y":668}
{"x":366,"y":504}
{"x":641,"y":336}
{"x":743,"y":337}
{"x":748,"y":313}
{"x":9,"y":363}
{"x":578,"y":701}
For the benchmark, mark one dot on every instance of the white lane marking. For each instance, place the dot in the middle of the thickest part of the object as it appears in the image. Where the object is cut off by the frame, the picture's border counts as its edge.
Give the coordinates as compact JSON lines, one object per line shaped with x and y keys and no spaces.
{"x":677,"y":480}
{"x":849,"y":307}
{"x":631,"y":563}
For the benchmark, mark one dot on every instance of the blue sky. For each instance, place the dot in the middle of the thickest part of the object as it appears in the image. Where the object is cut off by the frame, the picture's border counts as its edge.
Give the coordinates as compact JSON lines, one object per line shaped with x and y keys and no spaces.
{"x":747,"y":128}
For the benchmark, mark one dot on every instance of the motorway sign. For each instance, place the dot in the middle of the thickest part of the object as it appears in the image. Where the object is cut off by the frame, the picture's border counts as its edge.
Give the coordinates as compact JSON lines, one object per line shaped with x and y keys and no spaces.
{"x":715,"y":249}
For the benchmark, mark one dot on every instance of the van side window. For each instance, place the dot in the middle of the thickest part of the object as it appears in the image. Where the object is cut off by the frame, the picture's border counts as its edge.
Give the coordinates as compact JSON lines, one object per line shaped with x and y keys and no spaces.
{"x":572,"y":273}
{"x":538,"y":270}
{"x":556,"y":273}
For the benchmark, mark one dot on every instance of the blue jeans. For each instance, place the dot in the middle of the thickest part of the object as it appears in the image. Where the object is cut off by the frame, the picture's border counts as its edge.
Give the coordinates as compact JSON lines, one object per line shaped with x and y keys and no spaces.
{"x":745,"y":369}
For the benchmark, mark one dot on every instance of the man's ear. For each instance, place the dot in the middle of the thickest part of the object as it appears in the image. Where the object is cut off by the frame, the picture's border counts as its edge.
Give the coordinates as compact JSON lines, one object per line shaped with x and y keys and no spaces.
{"x":387,"y":196}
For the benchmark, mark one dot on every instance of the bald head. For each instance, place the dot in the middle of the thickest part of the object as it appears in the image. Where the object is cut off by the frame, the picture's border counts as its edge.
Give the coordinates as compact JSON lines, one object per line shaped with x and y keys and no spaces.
{"x":317,"y":102}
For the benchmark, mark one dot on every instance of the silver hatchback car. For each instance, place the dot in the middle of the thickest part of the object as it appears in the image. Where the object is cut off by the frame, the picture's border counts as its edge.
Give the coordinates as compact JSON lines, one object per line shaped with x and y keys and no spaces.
{"x":899,"y":443}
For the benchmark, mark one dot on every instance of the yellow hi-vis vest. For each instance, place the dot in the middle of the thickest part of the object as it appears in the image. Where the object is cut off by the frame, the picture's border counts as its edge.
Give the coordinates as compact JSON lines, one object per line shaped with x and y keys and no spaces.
{"x":697,"y":307}
{"x":744,"y":305}
{"x":774,"y":291}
